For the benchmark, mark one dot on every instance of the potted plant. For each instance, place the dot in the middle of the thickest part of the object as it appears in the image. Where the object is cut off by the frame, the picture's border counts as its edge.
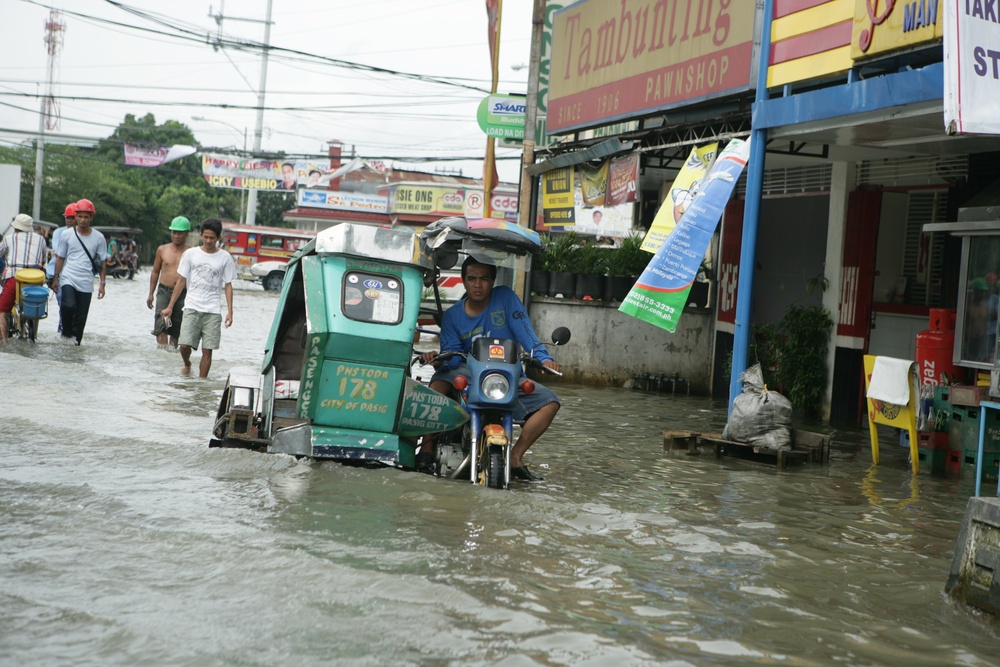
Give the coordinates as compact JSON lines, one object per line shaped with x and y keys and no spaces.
{"x":541,"y":271}
{"x":590,"y":268}
{"x":563,"y":252}
{"x":625,"y":264}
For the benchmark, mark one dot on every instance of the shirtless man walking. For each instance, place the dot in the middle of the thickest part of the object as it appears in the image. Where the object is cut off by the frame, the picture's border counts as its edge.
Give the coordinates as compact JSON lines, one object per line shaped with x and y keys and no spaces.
{"x":168,"y":258}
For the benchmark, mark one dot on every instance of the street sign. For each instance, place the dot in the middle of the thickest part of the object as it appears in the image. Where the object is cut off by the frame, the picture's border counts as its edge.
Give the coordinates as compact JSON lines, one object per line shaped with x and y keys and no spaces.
{"x":502,"y":116}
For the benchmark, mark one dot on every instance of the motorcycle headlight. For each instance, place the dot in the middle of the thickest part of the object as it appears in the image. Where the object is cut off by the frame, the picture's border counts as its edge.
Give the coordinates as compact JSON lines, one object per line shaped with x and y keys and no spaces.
{"x":494,"y":386}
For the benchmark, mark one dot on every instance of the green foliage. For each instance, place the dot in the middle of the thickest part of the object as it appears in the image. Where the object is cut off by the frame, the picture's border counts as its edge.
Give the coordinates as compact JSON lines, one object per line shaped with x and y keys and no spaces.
{"x":563,"y":252}
{"x":270,"y":206}
{"x":592,"y":260}
{"x":138,"y":197}
{"x":628,"y":259}
{"x":542,"y":261}
{"x":802,"y":364}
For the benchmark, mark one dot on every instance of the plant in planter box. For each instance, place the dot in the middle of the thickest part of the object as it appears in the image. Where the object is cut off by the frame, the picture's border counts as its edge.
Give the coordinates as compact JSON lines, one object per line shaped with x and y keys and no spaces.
{"x":624,"y":265}
{"x":541,"y":271}
{"x":590,"y":268}
{"x":563,"y":255}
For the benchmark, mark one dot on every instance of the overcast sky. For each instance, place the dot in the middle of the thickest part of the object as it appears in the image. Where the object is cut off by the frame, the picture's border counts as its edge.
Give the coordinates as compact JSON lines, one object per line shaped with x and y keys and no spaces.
{"x":154,"y":56}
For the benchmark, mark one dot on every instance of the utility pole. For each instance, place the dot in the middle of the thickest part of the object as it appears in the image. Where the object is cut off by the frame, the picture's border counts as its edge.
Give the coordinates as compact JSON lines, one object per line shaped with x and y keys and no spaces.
{"x":251,"y":213}
{"x":48,"y":117}
{"x":527,"y":192}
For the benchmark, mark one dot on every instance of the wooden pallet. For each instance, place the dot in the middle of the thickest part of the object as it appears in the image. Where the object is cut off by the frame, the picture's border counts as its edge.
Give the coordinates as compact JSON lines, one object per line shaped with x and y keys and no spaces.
{"x":807,"y":447}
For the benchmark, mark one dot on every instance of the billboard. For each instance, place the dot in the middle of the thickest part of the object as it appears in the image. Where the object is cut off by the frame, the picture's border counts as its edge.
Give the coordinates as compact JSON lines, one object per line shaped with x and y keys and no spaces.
{"x":614,"y":59}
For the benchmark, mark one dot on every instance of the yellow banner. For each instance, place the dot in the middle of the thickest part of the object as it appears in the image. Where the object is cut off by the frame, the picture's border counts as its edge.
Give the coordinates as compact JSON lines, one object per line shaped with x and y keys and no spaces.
{"x":890,"y":26}
{"x":594,"y":183}
{"x":558,"y":205}
{"x":682,"y":193}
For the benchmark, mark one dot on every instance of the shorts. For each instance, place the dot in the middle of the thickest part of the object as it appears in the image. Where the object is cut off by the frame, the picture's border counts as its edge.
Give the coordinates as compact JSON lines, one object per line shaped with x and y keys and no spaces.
{"x":526,"y":405}
{"x":163,"y":294}
{"x":8,"y":296}
{"x":201,"y":327}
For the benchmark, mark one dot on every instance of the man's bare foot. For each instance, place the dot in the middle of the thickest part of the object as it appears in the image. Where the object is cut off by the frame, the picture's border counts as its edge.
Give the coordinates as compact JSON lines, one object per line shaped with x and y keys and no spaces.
{"x":186,"y":369}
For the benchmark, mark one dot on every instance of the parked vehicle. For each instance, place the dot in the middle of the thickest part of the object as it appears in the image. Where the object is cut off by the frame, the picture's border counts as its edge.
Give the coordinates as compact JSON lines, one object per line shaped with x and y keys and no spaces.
{"x":335,"y":379}
{"x":253,"y":244}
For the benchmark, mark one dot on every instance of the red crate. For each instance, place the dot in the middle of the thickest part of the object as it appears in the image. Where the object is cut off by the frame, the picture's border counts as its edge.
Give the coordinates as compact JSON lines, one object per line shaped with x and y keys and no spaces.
{"x":953,"y":463}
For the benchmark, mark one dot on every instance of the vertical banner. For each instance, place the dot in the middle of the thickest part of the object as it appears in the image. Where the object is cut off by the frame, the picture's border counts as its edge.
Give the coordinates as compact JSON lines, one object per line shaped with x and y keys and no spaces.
{"x":593,"y":183}
{"x":557,"y":198}
{"x":659,"y":295}
{"x":683,"y":191}
{"x":623,"y":179}
{"x":971,"y":81}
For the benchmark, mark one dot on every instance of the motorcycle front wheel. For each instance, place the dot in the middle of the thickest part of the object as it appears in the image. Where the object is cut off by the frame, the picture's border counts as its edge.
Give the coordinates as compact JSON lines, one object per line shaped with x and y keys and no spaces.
{"x":495,"y":464}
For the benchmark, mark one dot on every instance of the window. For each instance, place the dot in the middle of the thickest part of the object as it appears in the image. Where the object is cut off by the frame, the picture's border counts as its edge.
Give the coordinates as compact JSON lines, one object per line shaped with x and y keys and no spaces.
{"x":978,"y":300}
{"x":275,"y":242}
{"x":370,"y":297}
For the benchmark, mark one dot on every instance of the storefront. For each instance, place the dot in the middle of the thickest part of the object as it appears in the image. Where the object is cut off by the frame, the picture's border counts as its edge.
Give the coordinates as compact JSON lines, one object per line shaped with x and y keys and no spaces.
{"x":857,"y":171}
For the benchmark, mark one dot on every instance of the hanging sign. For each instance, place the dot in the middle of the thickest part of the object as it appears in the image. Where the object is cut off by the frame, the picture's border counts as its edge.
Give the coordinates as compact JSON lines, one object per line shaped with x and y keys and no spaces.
{"x":659,"y":295}
{"x":684,"y":190}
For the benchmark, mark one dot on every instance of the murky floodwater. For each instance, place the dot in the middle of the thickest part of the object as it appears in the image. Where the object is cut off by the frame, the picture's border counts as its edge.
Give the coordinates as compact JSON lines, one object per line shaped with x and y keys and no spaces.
{"x":124,"y":540}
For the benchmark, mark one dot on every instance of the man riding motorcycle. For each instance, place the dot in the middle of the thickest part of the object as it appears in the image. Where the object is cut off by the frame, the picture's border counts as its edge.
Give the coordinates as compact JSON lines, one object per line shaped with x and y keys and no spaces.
{"x":496,"y":312}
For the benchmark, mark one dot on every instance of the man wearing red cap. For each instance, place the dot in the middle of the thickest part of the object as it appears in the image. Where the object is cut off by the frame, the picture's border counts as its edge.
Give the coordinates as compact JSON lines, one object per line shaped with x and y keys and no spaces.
{"x":80,"y":254}
{"x":69,"y":216}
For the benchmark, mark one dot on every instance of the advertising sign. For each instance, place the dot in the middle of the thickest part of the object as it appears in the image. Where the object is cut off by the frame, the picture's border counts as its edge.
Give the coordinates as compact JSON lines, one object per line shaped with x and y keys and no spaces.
{"x":238,"y":173}
{"x":426,"y":200}
{"x":971,"y":69}
{"x":557,"y":197}
{"x":659,"y":295}
{"x":683,"y":191}
{"x":890,"y":26}
{"x":136,"y":156}
{"x":613,"y":59}
{"x":343,"y":201}
{"x":623,"y":180}
{"x":502,"y":116}
{"x":502,"y":205}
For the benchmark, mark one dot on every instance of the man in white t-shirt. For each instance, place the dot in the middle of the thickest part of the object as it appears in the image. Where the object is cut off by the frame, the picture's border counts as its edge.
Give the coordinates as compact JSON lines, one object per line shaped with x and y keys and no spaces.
{"x":206,"y":272}
{"x":78,"y":253}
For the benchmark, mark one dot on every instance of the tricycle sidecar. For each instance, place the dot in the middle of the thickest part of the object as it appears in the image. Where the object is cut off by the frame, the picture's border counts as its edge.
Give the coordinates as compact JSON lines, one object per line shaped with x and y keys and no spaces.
{"x":334,"y":383}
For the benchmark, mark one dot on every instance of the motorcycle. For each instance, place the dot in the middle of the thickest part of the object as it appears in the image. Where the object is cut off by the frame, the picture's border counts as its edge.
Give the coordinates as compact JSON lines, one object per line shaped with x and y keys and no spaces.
{"x":30,"y":304}
{"x":483,"y":446}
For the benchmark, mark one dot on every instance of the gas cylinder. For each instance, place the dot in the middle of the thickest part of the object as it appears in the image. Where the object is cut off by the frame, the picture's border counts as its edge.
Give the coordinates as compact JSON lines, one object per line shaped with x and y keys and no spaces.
{"x":935,"y":346}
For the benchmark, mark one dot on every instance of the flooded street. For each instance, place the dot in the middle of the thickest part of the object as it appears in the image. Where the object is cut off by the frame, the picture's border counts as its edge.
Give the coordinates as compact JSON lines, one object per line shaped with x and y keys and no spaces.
{"x":124,"y":540}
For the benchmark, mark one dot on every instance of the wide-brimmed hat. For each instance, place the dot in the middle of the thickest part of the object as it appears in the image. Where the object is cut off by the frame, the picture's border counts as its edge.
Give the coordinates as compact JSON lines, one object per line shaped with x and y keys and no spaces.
{"x":23,"y":222}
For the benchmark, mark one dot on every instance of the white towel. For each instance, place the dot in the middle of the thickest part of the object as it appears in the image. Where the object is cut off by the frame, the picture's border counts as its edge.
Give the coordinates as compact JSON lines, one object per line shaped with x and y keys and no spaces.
{"x":892,"y":380}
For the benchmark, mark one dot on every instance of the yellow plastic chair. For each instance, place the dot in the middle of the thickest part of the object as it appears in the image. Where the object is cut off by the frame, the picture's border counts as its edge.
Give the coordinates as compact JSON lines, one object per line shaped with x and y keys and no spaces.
{"x":898,"y":416}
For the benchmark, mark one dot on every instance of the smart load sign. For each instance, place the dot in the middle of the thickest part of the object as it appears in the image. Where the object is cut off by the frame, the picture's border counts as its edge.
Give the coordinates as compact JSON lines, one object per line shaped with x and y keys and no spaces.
{"x":502,"y":116}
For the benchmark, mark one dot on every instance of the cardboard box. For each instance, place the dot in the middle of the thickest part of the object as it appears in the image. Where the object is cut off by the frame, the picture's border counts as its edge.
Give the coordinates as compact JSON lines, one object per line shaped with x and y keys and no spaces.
{"x":969,"y":395}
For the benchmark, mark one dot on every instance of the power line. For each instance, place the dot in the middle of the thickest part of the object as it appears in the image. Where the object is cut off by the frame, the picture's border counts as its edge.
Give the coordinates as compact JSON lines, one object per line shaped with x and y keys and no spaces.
{"x":204,"y":37}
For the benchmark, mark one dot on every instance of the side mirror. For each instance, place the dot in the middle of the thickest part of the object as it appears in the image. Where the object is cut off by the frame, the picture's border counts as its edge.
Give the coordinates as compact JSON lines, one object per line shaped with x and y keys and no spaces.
{"x":445,"y":257}
{"x":561,"y":336}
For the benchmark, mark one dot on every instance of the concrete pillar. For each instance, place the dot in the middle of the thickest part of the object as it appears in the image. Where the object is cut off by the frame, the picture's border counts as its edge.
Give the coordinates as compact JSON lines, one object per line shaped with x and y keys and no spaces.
{"x":841,"y":186}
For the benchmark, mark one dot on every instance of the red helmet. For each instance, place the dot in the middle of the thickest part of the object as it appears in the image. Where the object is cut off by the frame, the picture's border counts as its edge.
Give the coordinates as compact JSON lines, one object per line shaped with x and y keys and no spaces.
{"x":70,"y":211}
{"x":85,"y":205}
